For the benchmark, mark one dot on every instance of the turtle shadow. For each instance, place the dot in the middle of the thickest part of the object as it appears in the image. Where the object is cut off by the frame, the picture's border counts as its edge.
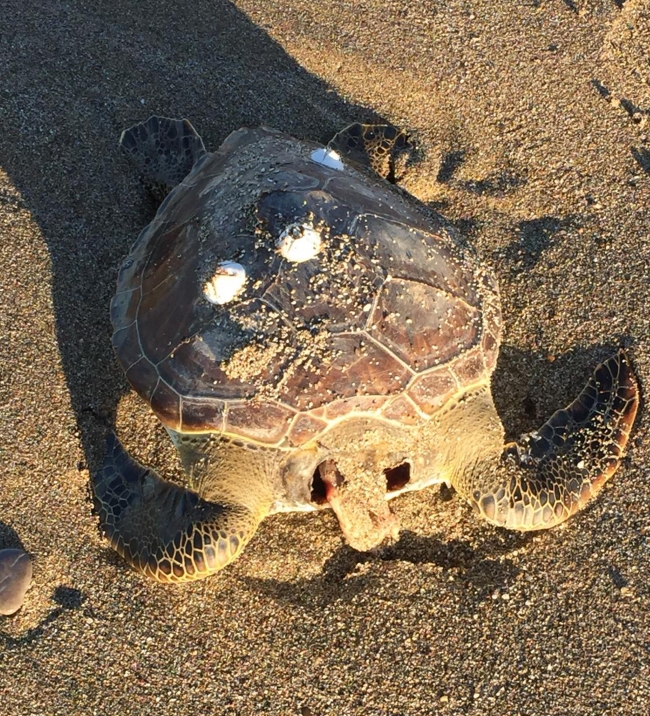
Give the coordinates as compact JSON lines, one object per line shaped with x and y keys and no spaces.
{"x":486,"y":567}
{"x":529,"y":386}
{"x":68,"y":599}
{"x":59,"y":146}
{"x":534,"y":237}
{"x":467,"y":227}
{"x":451,"y":162}
{"x":496,"y":184}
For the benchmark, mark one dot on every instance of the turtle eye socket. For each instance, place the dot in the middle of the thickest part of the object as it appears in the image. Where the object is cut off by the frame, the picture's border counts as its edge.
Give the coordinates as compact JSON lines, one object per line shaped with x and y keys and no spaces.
{"x":397,"y":477}
{"x":318,"y":489}
{"x":325,"y":481}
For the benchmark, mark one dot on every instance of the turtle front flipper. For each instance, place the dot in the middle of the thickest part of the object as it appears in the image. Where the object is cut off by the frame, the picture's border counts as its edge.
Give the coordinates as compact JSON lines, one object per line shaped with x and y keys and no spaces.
{"x":163,"y":530}
{"x":372,"y":146}
{"x":164,"y":151}
{"x":553,"y":472}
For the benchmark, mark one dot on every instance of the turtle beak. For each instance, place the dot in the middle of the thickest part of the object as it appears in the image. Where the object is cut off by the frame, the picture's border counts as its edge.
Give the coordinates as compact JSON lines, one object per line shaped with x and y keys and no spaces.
{"x":363,"y":512}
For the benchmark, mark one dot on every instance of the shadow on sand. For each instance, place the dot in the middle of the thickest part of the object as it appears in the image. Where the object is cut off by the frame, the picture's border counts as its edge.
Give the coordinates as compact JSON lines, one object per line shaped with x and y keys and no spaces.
{"x":486,"y":568}
{"x":66,"y":598}
{"x":66,"y":96}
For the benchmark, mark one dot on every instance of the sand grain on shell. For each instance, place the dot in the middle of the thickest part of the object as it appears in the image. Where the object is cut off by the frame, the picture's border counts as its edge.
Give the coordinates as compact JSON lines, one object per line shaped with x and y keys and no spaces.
{"x":545,"y":173}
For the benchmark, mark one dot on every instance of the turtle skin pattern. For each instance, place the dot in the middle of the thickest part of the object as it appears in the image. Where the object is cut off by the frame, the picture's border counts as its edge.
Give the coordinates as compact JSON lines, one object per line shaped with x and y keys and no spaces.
{"x":197,"y":537}
{"x":553,"y":472}
{"x":166,"y":149}
{"x":375,"y":146}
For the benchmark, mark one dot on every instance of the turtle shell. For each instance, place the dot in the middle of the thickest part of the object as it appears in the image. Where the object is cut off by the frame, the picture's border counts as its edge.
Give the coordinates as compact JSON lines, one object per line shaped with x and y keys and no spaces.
{"x":389,"y":318}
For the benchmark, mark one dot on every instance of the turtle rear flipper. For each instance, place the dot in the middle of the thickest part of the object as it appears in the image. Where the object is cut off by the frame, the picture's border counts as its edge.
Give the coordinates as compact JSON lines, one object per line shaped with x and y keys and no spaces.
{"x":163,"y":530}
{"x":164,"y":151}
{"x":373,"y":146}
{"x":556,"y":470}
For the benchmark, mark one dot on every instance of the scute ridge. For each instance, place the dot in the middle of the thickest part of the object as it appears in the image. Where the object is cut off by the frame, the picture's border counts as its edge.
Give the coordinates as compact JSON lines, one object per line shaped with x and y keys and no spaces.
{"x":331,"y":330}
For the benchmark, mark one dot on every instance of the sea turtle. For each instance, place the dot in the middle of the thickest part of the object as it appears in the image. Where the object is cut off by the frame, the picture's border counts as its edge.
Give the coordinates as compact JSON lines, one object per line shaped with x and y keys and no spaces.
{"x":310,"y":337}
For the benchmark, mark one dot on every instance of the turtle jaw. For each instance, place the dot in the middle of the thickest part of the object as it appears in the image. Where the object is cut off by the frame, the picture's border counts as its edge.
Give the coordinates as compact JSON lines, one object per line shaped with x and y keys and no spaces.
{"x":364,"y":515}
{"x":365,"y":531}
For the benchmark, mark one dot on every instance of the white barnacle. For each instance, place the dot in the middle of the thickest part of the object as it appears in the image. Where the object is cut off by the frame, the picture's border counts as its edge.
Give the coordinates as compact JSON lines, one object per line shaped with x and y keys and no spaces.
{"x":228,"y":280}
{"x":327,"y":157}
{"x":299,"y":242}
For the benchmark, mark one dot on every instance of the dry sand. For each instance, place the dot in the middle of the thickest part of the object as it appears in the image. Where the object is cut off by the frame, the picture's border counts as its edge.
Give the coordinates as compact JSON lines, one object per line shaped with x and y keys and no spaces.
{"x":534,"y":121}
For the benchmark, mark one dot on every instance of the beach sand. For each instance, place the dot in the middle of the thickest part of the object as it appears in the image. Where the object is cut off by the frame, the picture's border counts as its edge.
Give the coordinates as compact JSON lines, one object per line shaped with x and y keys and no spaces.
{"x":533,"y":121}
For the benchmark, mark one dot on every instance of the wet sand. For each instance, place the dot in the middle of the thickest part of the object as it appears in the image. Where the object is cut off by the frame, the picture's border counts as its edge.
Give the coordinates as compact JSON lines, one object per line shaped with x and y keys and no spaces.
{"x":533,"y":124}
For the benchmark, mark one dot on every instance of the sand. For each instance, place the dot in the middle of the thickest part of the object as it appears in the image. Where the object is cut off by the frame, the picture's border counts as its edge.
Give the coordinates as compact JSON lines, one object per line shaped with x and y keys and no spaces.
{"x":533,"y":123}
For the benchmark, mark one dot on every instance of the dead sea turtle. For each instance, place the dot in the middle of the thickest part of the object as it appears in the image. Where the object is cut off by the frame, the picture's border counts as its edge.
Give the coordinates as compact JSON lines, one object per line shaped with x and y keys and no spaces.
{"x":309,"y":338}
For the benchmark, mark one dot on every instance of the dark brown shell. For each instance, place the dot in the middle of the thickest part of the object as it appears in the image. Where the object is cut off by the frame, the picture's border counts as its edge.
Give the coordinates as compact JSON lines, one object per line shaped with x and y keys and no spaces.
{"x":390,"y":318}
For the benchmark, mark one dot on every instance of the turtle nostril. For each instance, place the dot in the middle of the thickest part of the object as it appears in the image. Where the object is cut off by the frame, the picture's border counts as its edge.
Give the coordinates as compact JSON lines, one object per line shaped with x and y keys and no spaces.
{"x":397,"y":477}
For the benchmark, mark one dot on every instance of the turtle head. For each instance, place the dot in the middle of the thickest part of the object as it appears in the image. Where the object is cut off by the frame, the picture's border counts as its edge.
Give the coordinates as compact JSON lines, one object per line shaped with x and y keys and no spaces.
{"x":361,"y":464}
{"x":358,"y":497}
